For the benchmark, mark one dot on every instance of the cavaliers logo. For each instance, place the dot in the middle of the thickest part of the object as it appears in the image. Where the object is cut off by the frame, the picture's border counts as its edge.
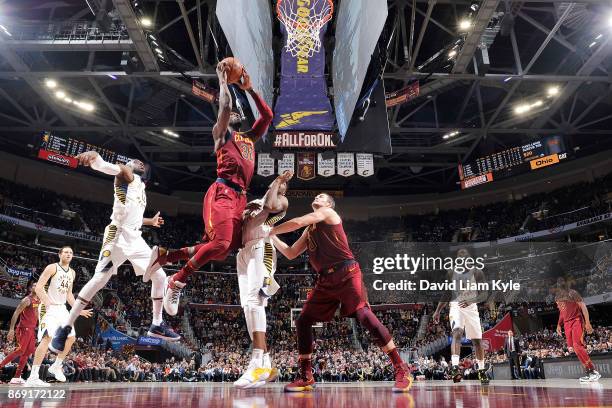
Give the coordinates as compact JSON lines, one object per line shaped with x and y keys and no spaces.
{"x":295,"y":118}
{"x":106,"y":253}
{"x":306,"y":173}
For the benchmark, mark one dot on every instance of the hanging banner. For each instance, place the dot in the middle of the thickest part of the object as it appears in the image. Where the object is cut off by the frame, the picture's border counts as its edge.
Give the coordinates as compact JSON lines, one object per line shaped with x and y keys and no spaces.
{"x":287,"y":163}
{"x":325,"y":168}
{"x":365,"y":164}
{"x":204,"y":92}
{"x":306,"y":166}
{"x":494,"y":338}
{"x":265,"y":164}
{"x":117,"y":338}
{"x":403,"y":95}
{"x":304,"y":139}
{"x":302,"y":103}
{"x":346,"y":164}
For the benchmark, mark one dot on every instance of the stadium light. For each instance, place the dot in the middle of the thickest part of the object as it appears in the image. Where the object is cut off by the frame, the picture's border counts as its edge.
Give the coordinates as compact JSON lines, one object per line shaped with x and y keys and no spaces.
{"x":67,"y":100}
{"x":520,"y":109}
{"x":51,"y":83}
{"x":159,"y":51}
{"x":552,"y":91}
{"x":452,"y":53}
{"x":451,"y":134}
{"x":170,"y":133}
{"x":85,"y":105}
{"x":146,"y":22}
{"x":465,"y":24}
{"x":60,"y":94}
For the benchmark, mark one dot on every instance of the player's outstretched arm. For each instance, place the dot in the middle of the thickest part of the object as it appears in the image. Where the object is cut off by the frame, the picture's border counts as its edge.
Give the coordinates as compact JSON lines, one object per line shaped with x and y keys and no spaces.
{"x":293,"y":251}
{"x":25,"y":302}
{"x":95,"y":161}
{"x":294,"y":224}
{"x":260,"y":127}
{"x":272,"y":201}
{"x":225,"y":107}
{"x":157,"y":221}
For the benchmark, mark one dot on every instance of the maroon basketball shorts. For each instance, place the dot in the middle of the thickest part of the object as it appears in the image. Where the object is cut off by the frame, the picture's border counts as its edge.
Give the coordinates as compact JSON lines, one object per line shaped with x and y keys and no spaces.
{"x":222,"y":214}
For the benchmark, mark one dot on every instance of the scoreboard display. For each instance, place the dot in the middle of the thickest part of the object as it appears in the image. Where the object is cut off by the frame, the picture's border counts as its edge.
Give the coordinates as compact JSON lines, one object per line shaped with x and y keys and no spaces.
{"x":63,"y":150}
{"x":513,"y":161}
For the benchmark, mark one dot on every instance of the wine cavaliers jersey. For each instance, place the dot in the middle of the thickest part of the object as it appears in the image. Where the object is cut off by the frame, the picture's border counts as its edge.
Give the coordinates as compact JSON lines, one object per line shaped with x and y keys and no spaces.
{"x":236,"y":160}
{"x":327,"y":246}
{"x":29,"y":316}
{"x":567,"y":302}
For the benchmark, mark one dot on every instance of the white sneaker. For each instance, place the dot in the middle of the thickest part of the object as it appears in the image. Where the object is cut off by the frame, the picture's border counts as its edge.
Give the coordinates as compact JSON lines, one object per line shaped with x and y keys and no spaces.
{"x":252,"y":376}
{"x":57,"y":372}
{"x":36,"y":382}
{"x":172,"y":296}
{"x":594,"y":376}
{"x":17,"y":381}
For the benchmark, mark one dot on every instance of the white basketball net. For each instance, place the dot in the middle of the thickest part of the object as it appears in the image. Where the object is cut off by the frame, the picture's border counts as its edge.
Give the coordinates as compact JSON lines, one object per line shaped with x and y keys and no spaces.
{"x":303,"y":25}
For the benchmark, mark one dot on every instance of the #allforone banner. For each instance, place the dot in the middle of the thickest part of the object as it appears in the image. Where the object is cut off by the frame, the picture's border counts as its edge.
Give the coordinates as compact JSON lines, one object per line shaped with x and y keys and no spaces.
{"x":287,"y":163}
{"x":325,"y":168}
{"x":365,"y":164}
{"x":265,"y":164}
{"x":346,"y":164}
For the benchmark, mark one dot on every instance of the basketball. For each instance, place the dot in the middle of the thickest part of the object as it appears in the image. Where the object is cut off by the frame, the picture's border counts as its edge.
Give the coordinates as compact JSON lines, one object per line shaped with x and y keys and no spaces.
{"x":234,"y":69}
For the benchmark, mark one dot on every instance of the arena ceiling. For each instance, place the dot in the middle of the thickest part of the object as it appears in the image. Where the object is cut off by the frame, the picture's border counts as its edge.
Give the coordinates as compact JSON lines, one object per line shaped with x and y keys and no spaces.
{"x":532,"y":46}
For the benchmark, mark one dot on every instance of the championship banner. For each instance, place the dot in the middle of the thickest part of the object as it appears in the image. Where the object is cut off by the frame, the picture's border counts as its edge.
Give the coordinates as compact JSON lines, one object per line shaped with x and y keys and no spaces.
{"x":58,"y":158}
{"x":325,"y":168}
{"x":346,"y":164}
{"x":365,"y":164}
{"x":495,"y":337}
{"x":304,"y":139}
{"x":265,"y":164}
{"x":303,"y":103}
{"x":306,"y":166}
{"x":403,"y":95}
{"x":204,"y":92}
{"x":287,"y":163}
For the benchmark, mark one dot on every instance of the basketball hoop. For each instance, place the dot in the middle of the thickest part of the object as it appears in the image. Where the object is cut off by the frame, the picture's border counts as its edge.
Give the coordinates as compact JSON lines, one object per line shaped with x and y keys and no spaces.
{"x":303,"y":24}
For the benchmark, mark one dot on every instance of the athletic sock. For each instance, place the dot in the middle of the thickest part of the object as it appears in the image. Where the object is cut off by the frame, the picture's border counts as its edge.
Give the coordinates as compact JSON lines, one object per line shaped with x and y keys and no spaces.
{"x":58,"y":362}
{"x":257,"y":356}
{"x":157,"y":311}
{"x":34,"y":372}
{"x":185,"y":272}
{"x":455,"y":360}
{"x":396,"y":359}
{"x":267,"y":361}
{"x":305,"y":367}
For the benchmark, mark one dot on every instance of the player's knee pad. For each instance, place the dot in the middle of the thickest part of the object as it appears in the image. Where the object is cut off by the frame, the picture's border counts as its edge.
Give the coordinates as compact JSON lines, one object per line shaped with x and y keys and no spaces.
{"x":158,"y":278}
{"x":369,"y":320}
{"x":95,"y":284}
{"x":256,"y":316}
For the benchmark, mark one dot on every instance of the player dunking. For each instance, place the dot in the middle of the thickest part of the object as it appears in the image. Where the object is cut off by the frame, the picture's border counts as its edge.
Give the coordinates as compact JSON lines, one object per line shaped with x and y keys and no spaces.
{"x":464,"y":318}
{"x":27,"y":313}
{"x":54,"y":288}
{"x":122,"y":241}
{"x":574,"y":316}
{"x":339,"y":283}
{"x":225,"y":199}
{"x":256,"y":264}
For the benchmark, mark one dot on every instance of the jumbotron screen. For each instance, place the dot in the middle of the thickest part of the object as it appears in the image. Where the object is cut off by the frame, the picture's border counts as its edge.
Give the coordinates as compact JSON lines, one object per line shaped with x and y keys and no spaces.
{"x":63,"y":150}
{"x":513,"y":161}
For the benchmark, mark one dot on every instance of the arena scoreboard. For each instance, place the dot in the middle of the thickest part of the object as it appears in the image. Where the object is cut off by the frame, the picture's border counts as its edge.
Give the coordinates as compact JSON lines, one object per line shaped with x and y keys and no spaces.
{"x":515,"y":160}
{"x":63,"y":150}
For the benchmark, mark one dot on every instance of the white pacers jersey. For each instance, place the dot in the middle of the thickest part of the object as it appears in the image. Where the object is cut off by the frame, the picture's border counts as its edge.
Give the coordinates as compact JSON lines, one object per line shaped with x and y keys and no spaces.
{"x":466,"y":318}
{"x":130,"y":203}
{"x":59,"y":284}
{"x":251,"y":231}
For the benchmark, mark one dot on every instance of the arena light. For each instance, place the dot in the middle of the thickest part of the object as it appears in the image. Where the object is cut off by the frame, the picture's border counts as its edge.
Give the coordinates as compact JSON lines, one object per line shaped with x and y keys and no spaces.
{"x":85,"y":105}
{"x":51,"y":83}
{"x":159,"y":51}
{"x":170,"y":133}
{"x":4,"y":29}
{"x":67,"y":100}
{"x":592,"y":44}
{"x":146,"y":22}
{"x":452,"y":53}
{"x":60,"y":94}
{"x":520,"y":109}
{"x":450,"y":134}
{"x":552,"y":91}
{"x":465,"y":24}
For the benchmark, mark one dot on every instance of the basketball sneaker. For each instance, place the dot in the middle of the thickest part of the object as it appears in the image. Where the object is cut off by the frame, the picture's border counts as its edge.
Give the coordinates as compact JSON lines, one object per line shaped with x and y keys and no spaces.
{"x":591,"y":376}
{"x":172,"y":295}
{"x":302,"y":383}
{"x":403,"y":378}
{"x":253,"y":375}
{"x":36,"y":382}
{"x":17,"y":381}
{"x":58,"y":372}
{"x":58,"y":343}
{"x":482,"y":376}
{"x":157,"y":260}
{"x":456,"y":374}
{"x":163,"y":332}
